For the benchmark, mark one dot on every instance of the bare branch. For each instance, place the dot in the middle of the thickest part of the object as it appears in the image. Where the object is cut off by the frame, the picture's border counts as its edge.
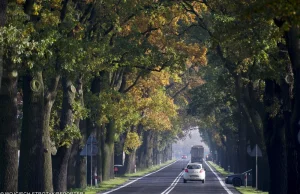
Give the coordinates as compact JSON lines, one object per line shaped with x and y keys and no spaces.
{"x":134,"y":83}
{"x":181,"y":90}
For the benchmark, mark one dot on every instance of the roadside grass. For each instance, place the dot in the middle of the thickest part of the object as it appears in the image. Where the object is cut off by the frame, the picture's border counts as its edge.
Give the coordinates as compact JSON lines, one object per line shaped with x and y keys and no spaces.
{"x":242,"y":190}
{"x":120,"y":180}
{"x":219,"y":169}
{"x":249,"y":190}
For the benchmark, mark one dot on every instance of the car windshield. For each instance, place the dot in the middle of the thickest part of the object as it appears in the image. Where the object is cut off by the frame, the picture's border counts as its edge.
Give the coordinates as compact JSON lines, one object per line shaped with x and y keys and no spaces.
{"x":193,"y":166}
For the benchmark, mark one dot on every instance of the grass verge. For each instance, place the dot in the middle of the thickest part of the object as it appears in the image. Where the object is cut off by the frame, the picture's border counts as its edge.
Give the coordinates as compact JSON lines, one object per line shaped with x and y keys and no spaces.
{"x":219,"y":169}
{"x":243,"y":190}
{"x":117,"y":181}
{"x":249,"y":190}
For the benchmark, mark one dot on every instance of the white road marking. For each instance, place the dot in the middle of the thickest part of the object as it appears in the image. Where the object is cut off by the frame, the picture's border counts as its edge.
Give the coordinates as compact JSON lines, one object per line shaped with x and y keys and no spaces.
{"x":220,"y":180}
{"x":172,"y":186}
{"x":137,"y":179}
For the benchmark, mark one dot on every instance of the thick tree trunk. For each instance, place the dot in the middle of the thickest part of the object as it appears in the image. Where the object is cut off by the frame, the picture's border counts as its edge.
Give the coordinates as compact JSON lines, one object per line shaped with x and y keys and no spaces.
{"x":145,"y":151}
{"x":32,"y":149}
{"x":293,"y":44}
{"x":108,"y":154}
{"x":96,"y":87}
{"x":275,"y":140}
{"x":81,"y":161}
{"x":60,"y":160}
{"x":3,"y":6}
{"x":50,"y":97}
{"x":295,"y":130}
{"x":35,"y":135}
{"x":72,"y":165}
{"x":130,"y":163}
{"x":242,"y":152}
{"x":100,"y":138}
{"x":155,"y":158}
{"x":170,"y":151}
{"x":80,"y":179}
{"x":75,"y":161}
{"x":8,"y":132}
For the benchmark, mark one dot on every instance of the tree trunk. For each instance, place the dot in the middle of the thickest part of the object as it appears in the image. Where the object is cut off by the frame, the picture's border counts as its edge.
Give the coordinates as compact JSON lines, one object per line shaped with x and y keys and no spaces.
{"x":32,"y":149}
{"x":129,"y":164}
{"x":145,"y":151}
{"x":108,"y":154}
{"x":293,"y":44}
{"x":81,"y":181}
{"x":100,"y":138}
{"x":118,"y":150}
{"x":75,"y":161}
{"x":169,"y":151}
{"x":72,"y":165}
{"x":155,"y":158}
{"x":50,"y":97}
{"x":275,"y":140}
{"x":96,"y":87}
{"x":3,"y":6}
{"x":8,"y":132}
{"x":60,"y":160}
{"x":80,"y":177}
{"x":242,"y":152}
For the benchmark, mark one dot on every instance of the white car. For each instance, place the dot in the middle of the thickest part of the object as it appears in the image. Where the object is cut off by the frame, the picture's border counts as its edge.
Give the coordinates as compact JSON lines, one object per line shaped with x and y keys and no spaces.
{"x":193,"y":172}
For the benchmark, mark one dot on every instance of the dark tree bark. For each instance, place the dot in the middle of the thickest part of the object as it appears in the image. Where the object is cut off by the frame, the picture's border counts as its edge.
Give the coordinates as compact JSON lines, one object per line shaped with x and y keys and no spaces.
{"x":32,"y":149}
{"x":156,"y":157}
{"x":8,"y":131}
{"x":242,"y":152}
{"x":274,"y":131}
{"x":96,"y":87}
{"x":145,"y":151}
{"x":80,"y":176}
{"x":71,"y":179}
{"x":60,"y":160}
{"x":108,"y":154}
{"x":3,"y":6}
{"x":293,"y":45}
{"x":75,"y":160}
{"x":100,"y":138}
{"x":35,"y":171}
{"x":130,"y":163}
{"x":106,"y":133}
{"x":50,"y":96}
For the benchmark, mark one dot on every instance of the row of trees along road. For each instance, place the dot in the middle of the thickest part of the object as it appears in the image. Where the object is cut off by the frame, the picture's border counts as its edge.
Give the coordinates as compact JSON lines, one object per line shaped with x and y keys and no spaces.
{"x":121,"y":69}
{"x":251,"y":95}
{"x":117,"y":69}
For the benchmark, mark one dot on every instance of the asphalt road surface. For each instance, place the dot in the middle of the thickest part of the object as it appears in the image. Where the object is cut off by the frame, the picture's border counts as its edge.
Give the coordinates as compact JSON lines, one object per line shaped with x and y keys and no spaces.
{"x":169,"y":181}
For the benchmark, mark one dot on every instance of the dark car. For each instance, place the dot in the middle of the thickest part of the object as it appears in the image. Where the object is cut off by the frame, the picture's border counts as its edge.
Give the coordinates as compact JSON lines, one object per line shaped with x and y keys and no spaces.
{"x":183,"y":157}
{"x":238,"y":180}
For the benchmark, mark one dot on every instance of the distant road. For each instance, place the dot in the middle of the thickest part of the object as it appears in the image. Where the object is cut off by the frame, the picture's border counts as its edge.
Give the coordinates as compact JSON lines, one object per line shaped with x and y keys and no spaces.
{"x":169,"y":181}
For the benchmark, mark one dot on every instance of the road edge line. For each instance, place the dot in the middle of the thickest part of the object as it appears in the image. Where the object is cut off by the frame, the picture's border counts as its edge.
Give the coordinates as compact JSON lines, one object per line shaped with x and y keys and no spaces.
{"x":129,"y":183}
{"x":220,"y":180}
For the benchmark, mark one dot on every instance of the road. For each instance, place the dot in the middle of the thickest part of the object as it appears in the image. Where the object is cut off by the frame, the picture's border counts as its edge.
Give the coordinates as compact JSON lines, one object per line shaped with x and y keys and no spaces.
{"x":169,"y":181}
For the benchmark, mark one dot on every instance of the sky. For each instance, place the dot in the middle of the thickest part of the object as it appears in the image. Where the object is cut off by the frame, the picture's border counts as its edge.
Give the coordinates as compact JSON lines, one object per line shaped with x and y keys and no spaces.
{"x":183,"y":147}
